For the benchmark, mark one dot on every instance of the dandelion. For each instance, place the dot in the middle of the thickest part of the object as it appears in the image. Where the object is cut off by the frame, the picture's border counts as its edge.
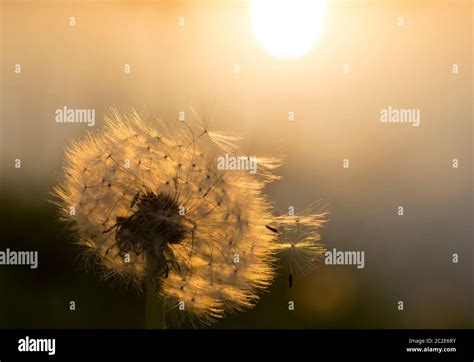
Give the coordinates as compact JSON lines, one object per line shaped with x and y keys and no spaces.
{"x":152,"y":209}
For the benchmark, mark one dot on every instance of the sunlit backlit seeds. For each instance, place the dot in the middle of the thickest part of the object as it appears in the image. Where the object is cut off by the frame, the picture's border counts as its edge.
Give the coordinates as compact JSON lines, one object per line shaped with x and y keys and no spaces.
{"x":150,"y":204}
{"x":298,"y":246}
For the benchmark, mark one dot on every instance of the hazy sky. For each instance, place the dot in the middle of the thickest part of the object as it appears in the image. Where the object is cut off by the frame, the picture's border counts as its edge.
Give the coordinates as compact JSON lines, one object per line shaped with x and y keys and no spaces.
{"x":337,"y":116}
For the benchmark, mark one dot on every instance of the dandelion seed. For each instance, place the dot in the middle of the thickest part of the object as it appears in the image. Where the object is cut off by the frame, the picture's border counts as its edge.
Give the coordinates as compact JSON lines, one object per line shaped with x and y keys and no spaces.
{"x":298,"y":246}
{"x":176,"y":218}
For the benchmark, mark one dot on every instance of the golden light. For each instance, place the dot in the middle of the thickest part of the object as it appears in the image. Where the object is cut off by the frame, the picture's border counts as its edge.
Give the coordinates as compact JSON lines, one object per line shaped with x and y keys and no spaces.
{"x":287,"y":28}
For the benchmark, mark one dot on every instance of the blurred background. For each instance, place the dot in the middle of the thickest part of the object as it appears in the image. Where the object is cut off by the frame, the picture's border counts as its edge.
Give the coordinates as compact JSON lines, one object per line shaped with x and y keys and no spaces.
{"x":336,"y":117}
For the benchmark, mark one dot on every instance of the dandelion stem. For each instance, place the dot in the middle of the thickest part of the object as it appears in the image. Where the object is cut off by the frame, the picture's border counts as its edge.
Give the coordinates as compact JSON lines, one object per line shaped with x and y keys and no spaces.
{"x":155,"y":306}
{"x":155,"y":311}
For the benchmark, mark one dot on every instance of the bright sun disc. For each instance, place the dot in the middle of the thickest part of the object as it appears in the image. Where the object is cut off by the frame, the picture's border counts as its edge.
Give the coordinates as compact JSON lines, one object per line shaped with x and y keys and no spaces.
{"x":287,"y":28}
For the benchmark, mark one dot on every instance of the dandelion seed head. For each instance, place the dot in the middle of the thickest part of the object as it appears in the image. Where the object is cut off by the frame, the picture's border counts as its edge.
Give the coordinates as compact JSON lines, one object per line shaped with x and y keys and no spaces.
{"x":149,"y":200}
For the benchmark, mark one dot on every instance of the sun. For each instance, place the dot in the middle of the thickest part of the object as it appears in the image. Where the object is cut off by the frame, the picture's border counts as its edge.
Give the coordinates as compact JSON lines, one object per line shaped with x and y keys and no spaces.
{"x":287,"y":28}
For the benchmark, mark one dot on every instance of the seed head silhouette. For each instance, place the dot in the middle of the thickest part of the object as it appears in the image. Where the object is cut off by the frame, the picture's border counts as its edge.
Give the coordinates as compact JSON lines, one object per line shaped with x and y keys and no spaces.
{"x":148,"y":203}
